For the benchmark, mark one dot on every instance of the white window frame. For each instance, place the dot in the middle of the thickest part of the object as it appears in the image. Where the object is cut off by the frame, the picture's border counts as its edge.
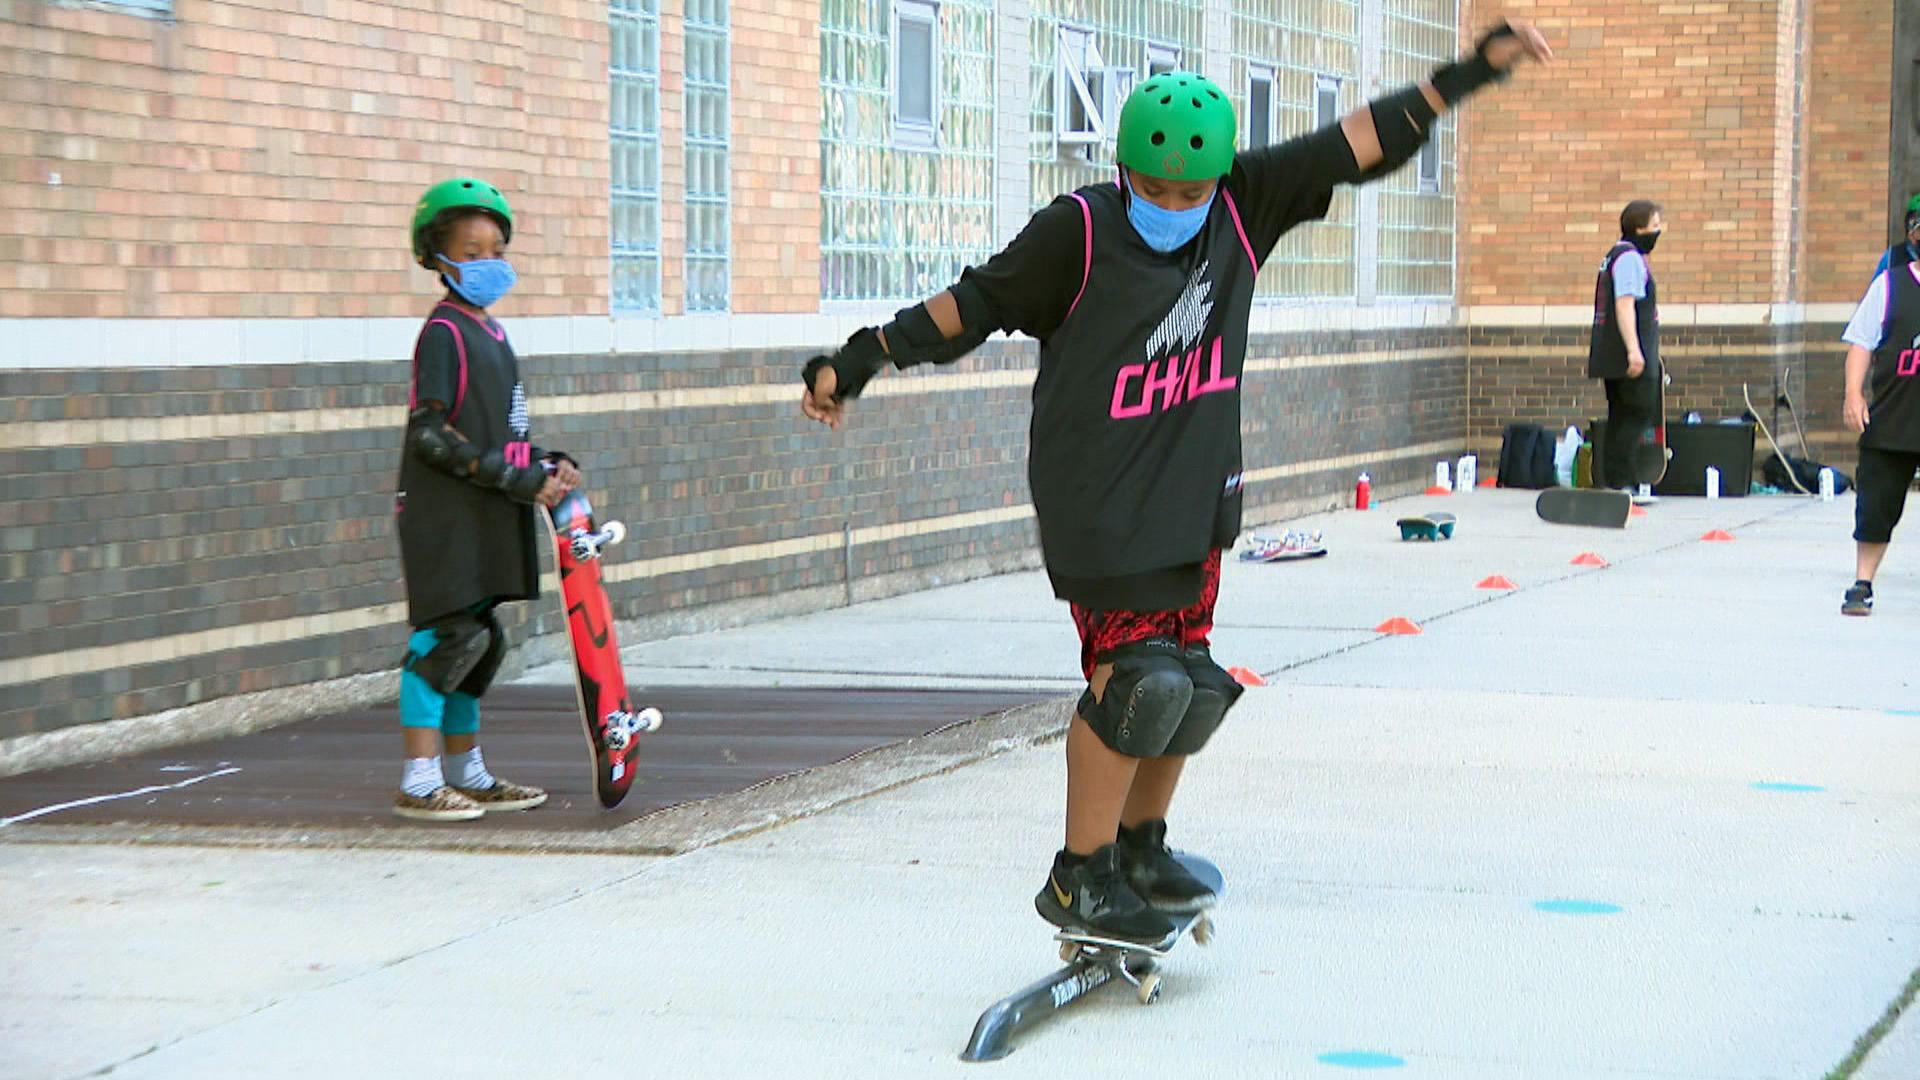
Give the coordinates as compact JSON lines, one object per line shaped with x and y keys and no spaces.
{"x":1078,"y":72}
{"x":1161,"y":59}
{"x":1323,"y":85}
{"x":914,"y":132}
{"x":1429,"y":164}
{"x":1260,"y":73}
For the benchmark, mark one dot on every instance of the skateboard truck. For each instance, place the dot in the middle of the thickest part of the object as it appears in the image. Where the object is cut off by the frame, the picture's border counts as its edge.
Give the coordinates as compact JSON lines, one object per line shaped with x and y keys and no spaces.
{"x":622,"y":726}
{"x":586,"y":545}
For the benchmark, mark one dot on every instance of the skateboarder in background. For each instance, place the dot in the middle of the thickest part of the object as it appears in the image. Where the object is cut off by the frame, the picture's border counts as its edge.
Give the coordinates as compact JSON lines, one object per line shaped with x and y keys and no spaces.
{"x":1625,"y":348}
{"x":468,"y":482}
{"x":1139,"y":290}
{"x":1883,"y":342}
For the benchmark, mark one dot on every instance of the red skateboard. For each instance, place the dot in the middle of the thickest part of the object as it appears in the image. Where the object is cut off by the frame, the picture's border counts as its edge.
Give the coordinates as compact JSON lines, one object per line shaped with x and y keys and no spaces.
{"x":611,"y":722}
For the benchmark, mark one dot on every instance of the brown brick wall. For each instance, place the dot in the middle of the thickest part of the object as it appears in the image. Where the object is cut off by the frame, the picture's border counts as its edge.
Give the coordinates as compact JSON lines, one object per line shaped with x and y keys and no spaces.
{"x":776,"y":156}
{"x":1678,"y":102}
{"x":202,"y":161}
{"x":1850,"y":54}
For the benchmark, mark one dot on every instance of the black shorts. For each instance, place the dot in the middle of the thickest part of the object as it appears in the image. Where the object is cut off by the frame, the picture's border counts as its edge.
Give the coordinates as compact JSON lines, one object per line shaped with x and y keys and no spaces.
{"x":1881,"y":492}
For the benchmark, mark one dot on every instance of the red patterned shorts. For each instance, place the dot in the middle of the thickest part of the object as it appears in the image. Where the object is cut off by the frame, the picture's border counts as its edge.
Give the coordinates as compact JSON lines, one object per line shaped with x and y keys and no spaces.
{"x":1101,"y":632}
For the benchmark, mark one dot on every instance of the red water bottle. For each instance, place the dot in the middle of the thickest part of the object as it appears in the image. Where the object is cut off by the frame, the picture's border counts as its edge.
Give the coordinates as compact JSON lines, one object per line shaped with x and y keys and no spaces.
{"x":1363,"y":493}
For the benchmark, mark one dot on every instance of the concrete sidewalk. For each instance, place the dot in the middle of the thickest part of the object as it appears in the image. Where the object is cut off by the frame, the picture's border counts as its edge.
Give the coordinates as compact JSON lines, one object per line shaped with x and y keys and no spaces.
{"x":1660,"y":819}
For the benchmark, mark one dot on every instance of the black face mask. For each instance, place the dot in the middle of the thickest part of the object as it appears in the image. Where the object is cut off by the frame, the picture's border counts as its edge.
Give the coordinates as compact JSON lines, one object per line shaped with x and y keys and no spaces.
{"x":1643,"y":242}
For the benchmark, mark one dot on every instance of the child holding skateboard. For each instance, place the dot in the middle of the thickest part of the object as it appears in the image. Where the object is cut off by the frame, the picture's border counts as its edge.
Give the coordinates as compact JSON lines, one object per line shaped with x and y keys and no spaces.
{"x":1139,"y":291}
{"x":469,"y":480}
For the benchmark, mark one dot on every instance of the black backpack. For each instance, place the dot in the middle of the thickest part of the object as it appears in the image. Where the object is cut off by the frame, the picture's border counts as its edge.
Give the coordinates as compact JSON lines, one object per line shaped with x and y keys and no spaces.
{"x":1526,"y":457}
{"x":1808,"y":473}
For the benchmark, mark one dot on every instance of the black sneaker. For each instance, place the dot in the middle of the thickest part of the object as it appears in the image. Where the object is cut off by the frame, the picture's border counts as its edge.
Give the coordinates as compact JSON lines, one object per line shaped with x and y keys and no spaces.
{"x":1859,"y":600}
{"x":1093,"y":897}
{"x":1156,"y":875}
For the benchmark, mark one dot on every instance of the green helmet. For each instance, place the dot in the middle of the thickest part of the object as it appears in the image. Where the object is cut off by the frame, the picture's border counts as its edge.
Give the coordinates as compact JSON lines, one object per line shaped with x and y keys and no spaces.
{"x":460,"y":193}
{"x":1913,"y":205}
{"x":1177,"y":125}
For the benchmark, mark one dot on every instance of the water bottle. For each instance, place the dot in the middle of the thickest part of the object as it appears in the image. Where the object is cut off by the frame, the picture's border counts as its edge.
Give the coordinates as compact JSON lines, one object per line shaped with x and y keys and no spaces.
{"x":1362,"y":493}
{"x":1440,"y":479}
{"x":1464,"y":474}
{"x":1713,"y":482}
{"x":1826,"y":485}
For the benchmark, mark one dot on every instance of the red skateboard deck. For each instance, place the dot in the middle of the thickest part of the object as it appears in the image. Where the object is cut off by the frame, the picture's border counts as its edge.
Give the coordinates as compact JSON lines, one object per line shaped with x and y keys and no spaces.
{"x":611,"y":723}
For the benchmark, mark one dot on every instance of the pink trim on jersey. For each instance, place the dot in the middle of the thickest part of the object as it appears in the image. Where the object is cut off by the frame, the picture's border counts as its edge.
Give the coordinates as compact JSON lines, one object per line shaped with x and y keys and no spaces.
{"x":1086,"y":257}
{"x":1238,"y":228}
{"x":459,"y":343}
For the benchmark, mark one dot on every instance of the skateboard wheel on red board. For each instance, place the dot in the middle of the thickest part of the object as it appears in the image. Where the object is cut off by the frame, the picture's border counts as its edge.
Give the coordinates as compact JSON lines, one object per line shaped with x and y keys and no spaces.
{"x":615,"y":531}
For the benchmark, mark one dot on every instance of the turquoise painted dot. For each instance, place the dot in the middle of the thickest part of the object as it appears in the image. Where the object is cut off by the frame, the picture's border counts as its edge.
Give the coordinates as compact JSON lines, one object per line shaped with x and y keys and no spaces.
{"x":1576,"y":907}
{"x":1904,"y":712}
{"x":1361,"y":1059}
{"x":1775,"y":785}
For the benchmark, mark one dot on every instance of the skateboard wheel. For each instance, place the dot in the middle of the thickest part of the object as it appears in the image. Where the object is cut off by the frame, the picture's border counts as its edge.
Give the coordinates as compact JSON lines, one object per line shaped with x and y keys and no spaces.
{"x":616,"y":531}
{"x":1069,"y":951}
{"x":1149,"y":991}
{"x":648,"y":719}
{"x":1203,"y":931}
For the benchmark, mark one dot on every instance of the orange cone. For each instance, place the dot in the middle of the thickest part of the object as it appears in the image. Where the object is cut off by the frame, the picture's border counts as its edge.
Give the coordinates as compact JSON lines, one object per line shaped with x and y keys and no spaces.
{"x":1718,"y":535}
{"x":1246,"y":676}
{"x":1397,"y":625}
{"x":1496,"y":582}
{"x":1489,"y":481}
{"x":1588,"y":558}
{"x":1438,"y":490}
{"x":1634,"y":511}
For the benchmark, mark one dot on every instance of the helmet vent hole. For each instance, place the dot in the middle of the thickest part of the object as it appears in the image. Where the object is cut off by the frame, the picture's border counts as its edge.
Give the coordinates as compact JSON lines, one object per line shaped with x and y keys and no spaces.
{"x":1159,"y":138}
{"x":1196,"y":142}
{"x":1214,"y":94}
{"x":1168,"y":100}
{"x":1196,"y":103}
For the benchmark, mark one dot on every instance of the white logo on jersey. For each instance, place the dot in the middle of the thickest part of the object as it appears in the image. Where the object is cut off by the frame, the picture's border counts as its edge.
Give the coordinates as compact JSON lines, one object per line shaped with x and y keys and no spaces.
{"x":517,"y":413}
{"x":1187,"y":321}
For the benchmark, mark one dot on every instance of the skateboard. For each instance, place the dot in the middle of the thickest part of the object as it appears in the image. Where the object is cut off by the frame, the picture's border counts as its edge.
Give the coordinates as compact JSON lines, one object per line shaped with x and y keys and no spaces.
{"x":1434,"y":526}
{"x":1133,"y":962}
{"x":1288,"y":547}
{"x":1650,"y":458}
{"x":1584,"y":506}
{"x":608,"y":717}
{"x":1785,"y":461}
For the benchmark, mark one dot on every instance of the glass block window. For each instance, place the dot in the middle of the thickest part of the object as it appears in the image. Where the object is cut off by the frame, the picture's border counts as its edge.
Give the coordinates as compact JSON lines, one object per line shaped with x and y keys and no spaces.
{"x":1087,"y":55}
{"x":1295,"y":63}
{"x":634,"y":70}
{"x":708,"y":227}
{"x":1416,"y":203}
{"x":905,"y":205}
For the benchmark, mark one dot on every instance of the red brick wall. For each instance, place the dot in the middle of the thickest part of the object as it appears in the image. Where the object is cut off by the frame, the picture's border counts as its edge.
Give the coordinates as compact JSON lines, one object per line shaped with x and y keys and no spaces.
{"x":1850,"y":60}
{"x":245,"y":160}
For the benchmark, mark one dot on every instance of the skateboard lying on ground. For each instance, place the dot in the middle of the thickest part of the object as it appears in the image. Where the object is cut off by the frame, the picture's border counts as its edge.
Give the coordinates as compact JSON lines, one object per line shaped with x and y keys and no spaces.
{"x":611,"y":723}
{"x":1435,"y":526}
{"x":1092,"y":962}
{"x":1599,"y":507}
{"x":1288,"y":547}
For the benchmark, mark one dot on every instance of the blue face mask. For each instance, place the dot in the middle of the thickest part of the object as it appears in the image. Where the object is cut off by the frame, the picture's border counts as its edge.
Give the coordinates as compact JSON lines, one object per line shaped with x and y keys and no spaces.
{"x":1165,"y":230}
{"x":482,"y":282}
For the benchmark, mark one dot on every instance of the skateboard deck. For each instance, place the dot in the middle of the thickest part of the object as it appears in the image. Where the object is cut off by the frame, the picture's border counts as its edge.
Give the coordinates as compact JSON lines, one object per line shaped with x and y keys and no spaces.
{"x":1434,"y":526}
{"x":611,"y":723}
{"x":1134,"y":962}
{"x":1650,"y":458}
{"x":1584,"y":506}
{"x":1290,"y":547}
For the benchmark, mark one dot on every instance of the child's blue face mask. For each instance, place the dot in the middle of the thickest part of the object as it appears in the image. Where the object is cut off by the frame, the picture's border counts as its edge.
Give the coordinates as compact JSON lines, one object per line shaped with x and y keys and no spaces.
{"x":482,"y":281}
{"x":1165,"y":230}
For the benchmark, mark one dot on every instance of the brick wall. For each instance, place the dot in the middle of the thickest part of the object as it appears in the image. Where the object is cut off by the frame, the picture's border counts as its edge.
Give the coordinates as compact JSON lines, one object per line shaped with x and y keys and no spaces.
{"x":196,"y":547}
{"x":256,"y":158}
{"x":1673,"y":102}
{"x":776,"y":156}
{"x":1850,"y":53}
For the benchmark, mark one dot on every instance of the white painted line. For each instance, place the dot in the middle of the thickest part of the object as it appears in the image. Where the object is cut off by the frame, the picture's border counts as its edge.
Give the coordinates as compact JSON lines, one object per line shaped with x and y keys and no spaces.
{"x":57,"y":807}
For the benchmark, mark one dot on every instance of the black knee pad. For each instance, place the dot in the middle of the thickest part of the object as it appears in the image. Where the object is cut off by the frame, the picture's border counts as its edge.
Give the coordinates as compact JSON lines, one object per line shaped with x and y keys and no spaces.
{"x":461,"y":643}
{"x":481,"y":677}
{"x":1214,"y":695}
{"x":1145,"y":698}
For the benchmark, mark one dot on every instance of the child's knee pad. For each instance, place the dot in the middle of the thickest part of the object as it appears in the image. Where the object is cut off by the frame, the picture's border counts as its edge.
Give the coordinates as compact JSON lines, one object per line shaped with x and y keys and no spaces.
{"x":1144,"y":701}
{"x":1214,"y":694}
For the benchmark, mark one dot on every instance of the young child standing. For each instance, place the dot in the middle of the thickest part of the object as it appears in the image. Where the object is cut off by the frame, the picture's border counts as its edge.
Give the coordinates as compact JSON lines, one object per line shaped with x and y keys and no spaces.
{"x":1139,"y":291}
{"x":469,"y":482}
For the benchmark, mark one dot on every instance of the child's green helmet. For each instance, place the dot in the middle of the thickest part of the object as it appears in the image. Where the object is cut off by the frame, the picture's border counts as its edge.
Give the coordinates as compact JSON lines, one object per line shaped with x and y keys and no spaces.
{"x":460,"y":193}
{"x":1177,"y":125}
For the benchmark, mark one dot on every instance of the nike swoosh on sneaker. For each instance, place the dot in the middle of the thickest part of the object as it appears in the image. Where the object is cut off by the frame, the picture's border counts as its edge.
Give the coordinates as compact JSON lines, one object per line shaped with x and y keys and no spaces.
{"x":1063,"y":896}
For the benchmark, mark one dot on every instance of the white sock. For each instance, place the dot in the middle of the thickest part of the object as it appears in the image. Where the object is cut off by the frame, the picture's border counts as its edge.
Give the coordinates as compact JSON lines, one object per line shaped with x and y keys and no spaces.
{"x":468,"y":771}
{"x":422,"y":777}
